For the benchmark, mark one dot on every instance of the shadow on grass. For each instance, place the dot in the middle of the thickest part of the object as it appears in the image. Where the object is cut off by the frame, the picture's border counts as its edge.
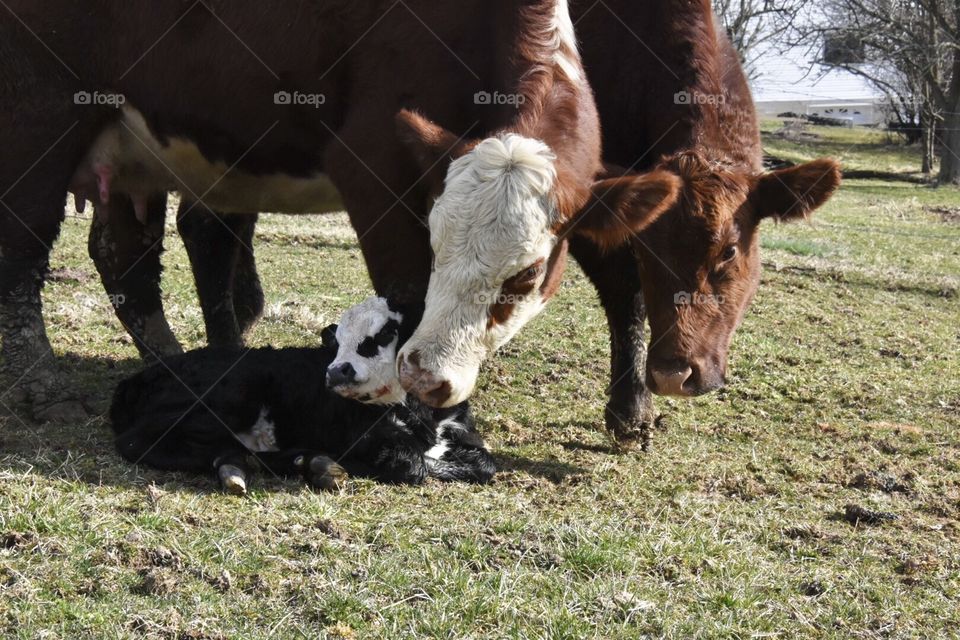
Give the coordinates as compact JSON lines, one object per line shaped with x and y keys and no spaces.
{"x":552,"y":470}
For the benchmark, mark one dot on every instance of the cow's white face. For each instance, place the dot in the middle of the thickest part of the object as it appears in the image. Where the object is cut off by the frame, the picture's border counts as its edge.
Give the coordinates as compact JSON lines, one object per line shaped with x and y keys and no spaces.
{"x":491,"y":233}
{"x":365,"y":366}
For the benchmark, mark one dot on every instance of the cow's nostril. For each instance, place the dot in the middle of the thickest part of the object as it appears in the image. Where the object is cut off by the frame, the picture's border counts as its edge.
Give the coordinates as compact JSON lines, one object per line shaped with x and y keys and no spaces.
{"x":341,"y":375}
{"x":673,"y":382}
{"x":438,"y":395}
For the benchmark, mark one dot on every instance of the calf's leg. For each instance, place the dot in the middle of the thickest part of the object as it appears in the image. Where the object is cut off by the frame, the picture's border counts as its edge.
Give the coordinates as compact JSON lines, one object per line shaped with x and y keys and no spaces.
{"x":319,"y":470}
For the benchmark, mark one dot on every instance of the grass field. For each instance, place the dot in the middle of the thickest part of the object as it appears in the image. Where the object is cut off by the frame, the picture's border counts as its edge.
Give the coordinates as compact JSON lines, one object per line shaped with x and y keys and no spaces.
{"x":844,"y":390}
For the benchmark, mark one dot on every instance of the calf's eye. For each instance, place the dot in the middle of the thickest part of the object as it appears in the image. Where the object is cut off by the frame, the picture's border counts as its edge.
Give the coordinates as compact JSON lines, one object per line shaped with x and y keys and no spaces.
{"x":729,"y":254}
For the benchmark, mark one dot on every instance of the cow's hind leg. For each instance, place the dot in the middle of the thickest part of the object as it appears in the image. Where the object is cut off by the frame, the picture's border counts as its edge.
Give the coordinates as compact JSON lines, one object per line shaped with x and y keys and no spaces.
{"x":31,"y":212}
{"x":221,"y":254}
{"x":127,"y":255}
{"x":629,"y":412}
{"x":247,"y":291}
{"x":319,"y":470}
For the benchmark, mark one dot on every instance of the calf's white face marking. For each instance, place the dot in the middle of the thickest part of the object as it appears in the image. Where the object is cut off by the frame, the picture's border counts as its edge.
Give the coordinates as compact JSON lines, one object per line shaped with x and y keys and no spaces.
{"x":491,"y":223}
{"x":367,"y":339}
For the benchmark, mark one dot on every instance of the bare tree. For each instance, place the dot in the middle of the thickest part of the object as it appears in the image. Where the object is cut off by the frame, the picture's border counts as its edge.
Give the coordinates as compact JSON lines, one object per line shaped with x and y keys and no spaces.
{"x":756,"y":26}
{"x":910,"y":51}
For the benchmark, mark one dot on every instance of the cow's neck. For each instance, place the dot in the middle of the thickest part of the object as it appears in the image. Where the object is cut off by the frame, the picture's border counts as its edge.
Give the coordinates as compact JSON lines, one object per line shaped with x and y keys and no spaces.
{"x":720,"y":123}
{"x":558,"y":106}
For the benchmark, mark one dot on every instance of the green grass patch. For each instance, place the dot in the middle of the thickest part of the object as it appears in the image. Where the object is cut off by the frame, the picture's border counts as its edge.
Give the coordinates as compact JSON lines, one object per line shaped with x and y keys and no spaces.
{"x":844,"y":388}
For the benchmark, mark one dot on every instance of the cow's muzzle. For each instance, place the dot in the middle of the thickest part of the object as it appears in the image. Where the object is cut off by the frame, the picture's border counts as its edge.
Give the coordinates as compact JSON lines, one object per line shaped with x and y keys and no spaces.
{"x":426,"y":386}
{"x":681,"y":378}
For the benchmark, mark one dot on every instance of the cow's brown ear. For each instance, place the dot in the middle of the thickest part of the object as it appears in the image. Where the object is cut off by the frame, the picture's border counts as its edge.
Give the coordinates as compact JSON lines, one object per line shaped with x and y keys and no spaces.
{"x":619,"y":208}
{"x":433,"y":146}
{"x":794,"y":193}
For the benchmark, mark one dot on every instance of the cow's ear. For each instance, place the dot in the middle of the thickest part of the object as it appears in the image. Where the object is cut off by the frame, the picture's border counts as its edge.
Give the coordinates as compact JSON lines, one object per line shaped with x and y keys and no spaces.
{"x":433,"y":146}
{"x":328,"y":336}
{"x":794,"y":193}
{"x":619,"y":208}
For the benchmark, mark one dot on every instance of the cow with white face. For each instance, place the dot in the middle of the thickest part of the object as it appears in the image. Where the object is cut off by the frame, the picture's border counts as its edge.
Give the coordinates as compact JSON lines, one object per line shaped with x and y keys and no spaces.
{"x":498,"y":231}
{"x":491,"y":226}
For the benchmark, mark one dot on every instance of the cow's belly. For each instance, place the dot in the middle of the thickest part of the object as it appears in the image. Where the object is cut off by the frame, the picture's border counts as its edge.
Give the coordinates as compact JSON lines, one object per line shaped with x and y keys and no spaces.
{"x":127,"y":158}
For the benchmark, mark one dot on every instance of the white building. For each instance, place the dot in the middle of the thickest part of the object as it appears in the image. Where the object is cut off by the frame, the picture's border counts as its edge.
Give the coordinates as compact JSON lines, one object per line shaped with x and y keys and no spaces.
{"x":790,"y":82}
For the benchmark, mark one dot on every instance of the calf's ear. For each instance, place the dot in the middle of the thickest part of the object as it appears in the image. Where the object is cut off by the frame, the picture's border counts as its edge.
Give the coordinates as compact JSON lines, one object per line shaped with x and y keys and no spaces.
{"x":329,"y":336}
{"x":620,"y":208}
{"x":794,"y":193}
{"x":433,"y":146}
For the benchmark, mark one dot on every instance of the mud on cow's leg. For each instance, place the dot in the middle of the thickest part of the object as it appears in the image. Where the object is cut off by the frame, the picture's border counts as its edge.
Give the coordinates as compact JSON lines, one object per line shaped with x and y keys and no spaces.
{"x":127,"y":255}
{"x":31,"y":212}
{"x":31,"y":374}
{"x":247,"y":290}
{"x":221,"y":254}
{"x":630,"y":413}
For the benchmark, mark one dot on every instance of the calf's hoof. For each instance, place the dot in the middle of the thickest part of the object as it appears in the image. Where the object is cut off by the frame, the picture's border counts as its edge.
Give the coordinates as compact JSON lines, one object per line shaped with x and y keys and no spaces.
{"x":232,"y":479}
{"x":323,"y":473}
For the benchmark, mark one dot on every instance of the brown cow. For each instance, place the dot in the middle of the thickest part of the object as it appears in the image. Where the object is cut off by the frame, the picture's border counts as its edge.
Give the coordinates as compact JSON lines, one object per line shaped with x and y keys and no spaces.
{"x":290,"y":107}
{"x":672,"y":100}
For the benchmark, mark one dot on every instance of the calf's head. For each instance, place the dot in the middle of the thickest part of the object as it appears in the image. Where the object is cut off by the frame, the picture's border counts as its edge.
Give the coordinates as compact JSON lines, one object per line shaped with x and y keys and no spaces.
{"x":366,"y":341}
{"x":498,"y":253}
{"x":698,"y":260}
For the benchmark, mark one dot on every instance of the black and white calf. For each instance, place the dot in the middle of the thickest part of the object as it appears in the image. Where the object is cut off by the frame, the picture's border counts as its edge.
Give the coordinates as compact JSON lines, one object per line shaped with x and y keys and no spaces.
{"x":323,"y":413}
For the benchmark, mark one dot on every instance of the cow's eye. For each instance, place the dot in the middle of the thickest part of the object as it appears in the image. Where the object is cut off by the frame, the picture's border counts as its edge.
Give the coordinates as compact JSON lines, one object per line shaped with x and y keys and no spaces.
{"x":728,"y":254}
{"x":529,"y":274}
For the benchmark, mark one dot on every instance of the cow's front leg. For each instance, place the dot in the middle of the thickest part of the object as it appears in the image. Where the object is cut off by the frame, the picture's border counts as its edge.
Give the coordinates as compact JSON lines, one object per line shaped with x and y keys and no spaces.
{"x":127,"y":253}
{"x":630,"y":413}
{"x":220,"y":248}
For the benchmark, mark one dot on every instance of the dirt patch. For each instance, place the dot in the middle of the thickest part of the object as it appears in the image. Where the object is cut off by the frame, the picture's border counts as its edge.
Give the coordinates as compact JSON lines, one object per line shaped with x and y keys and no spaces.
{"x":15,"y":539}
{"x":882,"y":481}
{"x":68,"y":274}
{"x":949,"y":215}
{"x":856,"y":514}
{"x":156,"y":582}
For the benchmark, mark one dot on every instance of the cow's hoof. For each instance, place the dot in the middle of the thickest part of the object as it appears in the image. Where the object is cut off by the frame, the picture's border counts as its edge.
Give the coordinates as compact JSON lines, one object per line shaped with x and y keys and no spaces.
{"x":325,"y":474}
{"x":42,"y":395}
{"x":629,"y":433}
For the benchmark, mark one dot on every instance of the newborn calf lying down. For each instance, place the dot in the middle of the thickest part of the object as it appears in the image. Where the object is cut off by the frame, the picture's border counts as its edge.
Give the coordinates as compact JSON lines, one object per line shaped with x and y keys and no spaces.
{"x":322,"y":413}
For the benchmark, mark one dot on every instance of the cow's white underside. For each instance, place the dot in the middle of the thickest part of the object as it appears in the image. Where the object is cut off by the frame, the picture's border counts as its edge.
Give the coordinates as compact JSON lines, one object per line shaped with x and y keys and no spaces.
{"x":142,"y":165}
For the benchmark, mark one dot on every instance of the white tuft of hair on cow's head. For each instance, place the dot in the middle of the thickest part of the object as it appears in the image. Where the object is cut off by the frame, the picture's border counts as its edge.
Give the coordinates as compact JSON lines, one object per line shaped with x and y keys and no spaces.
{"x":365,"y":366}
{"x":492,"y":235}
